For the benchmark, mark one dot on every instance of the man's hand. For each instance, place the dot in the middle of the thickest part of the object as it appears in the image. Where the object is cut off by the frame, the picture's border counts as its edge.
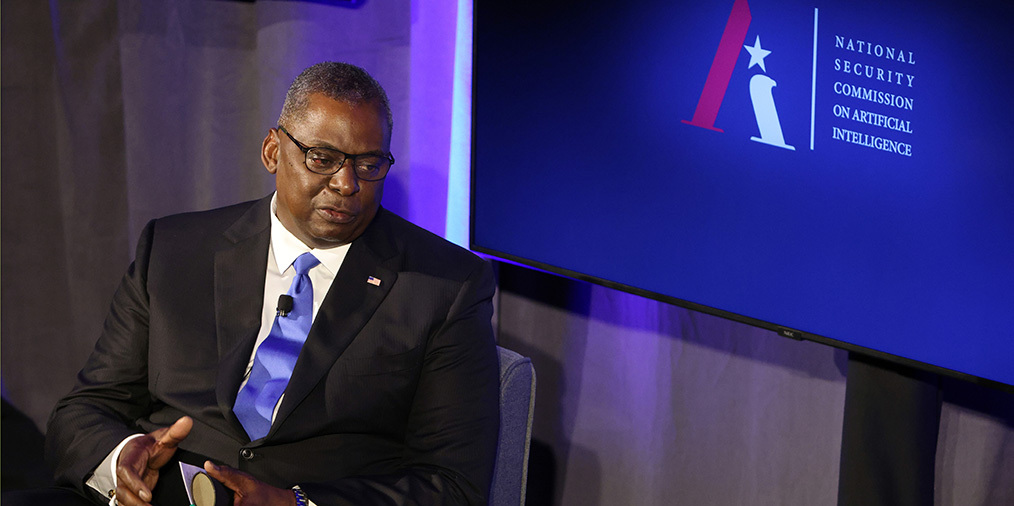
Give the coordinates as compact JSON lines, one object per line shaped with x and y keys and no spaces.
{"x":141,"y":458}
{"x":248,"y":491}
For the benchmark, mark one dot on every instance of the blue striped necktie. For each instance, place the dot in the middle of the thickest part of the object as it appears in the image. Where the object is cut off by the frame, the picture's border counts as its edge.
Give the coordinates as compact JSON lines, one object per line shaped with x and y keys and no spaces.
{"x":276,"y":356}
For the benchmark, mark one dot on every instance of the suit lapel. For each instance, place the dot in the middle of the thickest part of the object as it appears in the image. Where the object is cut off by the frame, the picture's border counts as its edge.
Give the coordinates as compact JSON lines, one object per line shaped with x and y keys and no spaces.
{"x":239,"y":287}
{"x":349,"y":304}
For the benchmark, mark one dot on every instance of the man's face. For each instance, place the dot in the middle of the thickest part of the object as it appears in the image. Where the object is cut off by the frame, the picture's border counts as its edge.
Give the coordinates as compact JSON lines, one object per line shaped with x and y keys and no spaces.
{"x":326,"y":211}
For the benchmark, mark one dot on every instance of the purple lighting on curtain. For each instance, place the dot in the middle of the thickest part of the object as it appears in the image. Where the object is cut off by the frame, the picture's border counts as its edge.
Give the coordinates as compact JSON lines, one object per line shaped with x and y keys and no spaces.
{"x":440,"y":112}
{"x":459,"y":174}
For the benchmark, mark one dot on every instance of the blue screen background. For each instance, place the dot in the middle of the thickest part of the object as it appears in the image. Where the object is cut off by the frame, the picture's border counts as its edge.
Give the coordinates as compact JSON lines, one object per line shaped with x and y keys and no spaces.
{"x":582,"y":162}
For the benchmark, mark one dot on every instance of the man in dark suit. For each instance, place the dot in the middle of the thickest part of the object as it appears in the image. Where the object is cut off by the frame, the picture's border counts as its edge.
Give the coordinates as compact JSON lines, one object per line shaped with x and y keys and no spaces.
{"x":393,"y":397}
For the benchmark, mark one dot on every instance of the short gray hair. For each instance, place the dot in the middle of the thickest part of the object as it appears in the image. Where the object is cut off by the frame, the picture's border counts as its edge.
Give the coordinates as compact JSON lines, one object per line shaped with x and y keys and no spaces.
{"x":338,"y":81}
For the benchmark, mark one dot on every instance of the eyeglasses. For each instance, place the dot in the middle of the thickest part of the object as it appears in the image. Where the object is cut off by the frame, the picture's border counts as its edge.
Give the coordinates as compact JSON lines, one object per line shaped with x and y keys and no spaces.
{"x":328,"y":161}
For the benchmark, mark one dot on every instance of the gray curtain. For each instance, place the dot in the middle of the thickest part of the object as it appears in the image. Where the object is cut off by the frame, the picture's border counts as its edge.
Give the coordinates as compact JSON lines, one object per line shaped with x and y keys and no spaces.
{"x":116,"y":112}
{"x":641,"y":402}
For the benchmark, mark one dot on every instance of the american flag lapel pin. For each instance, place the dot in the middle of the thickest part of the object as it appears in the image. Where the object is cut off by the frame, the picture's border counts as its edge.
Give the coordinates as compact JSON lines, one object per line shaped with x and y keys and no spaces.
{"x":373,"y":281}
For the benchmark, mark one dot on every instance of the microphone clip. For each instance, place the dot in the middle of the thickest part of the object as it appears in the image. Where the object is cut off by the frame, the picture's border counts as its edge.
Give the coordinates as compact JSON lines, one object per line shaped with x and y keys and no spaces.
{"x":284,"y":305}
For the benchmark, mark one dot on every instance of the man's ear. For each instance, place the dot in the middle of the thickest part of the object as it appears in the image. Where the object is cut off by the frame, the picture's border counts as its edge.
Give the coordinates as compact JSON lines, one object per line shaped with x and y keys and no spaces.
{"x":269,"y":151}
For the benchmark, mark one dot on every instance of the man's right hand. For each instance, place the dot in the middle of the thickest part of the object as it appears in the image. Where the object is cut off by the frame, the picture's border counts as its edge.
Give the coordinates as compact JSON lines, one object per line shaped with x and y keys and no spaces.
{"x":142,"y":457}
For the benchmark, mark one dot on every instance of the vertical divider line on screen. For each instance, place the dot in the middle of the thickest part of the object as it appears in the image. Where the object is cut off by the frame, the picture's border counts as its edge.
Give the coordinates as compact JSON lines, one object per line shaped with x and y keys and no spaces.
{"x":813,"y":83}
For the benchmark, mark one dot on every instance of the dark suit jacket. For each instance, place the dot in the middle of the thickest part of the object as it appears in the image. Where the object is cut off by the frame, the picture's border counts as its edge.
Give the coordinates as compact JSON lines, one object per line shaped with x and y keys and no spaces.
{"x":393,"y":398}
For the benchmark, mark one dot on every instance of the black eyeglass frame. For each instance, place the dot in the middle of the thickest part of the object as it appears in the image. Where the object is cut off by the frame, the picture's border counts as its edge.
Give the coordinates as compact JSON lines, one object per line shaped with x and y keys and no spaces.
{"x":338,"y":165}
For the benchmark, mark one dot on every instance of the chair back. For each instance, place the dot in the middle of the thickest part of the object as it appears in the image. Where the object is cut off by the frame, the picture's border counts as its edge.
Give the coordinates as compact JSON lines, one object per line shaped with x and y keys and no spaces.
{"x":517,"y":405}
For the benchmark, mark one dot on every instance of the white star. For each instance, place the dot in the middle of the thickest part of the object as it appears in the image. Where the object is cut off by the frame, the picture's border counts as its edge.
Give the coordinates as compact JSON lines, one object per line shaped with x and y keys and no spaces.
{"x":757,"y":54}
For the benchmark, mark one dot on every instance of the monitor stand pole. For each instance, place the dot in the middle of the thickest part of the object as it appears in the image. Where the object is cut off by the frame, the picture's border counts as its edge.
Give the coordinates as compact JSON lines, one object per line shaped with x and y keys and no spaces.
{"x":889,"y":434}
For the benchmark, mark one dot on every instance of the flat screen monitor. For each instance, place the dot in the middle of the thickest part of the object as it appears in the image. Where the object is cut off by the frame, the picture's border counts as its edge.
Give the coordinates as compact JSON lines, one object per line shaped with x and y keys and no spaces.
{"x":836,"y":171}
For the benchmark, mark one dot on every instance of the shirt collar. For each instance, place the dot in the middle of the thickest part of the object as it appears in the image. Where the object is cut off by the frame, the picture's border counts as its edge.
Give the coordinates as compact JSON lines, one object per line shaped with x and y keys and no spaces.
{"x":286,"y":247}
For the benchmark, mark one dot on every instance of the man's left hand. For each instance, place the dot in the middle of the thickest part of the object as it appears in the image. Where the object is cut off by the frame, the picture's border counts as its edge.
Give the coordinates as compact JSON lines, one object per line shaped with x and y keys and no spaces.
{"x":249,"y":491}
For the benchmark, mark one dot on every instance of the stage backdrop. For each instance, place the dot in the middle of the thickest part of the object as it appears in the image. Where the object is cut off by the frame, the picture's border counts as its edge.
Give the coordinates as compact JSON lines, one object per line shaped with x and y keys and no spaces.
{"x":115,"y":112}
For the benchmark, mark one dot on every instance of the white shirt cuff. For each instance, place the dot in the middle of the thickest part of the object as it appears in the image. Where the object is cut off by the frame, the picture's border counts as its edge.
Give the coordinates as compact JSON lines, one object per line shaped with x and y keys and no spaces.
{"x":103,"y":480}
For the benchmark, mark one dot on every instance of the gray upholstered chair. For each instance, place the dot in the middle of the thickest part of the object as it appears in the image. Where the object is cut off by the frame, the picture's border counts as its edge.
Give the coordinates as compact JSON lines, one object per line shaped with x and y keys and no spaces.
{"x":517,"y":404}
